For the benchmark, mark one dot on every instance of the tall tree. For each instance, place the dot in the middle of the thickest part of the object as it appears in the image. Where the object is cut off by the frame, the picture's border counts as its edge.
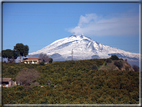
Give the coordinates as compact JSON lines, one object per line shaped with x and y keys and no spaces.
{"x":21,"y":50}
{"x":4,"y":54}
{"x":15,"y":55}
{"x":26,"y":50}
{"x":8,"y":53}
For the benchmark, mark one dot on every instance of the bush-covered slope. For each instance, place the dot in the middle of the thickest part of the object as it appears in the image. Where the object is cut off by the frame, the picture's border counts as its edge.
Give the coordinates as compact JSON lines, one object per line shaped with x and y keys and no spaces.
{"x":75,"y":83}
{"x":116,"y":65}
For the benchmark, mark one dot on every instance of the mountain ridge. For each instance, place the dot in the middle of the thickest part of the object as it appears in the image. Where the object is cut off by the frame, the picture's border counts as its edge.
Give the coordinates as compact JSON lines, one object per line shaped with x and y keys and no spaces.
{"x":83,"y":48}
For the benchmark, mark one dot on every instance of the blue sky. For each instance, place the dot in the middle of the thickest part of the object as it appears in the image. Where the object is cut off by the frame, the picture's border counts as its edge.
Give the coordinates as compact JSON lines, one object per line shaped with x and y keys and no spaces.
{"x":39,"y":24}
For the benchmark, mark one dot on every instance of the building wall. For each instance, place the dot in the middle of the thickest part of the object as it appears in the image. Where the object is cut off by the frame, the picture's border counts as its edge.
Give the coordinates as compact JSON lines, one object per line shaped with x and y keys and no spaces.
{"x":10,"y":83}
{"x":32,"y":61}
{"x":7,"y":84}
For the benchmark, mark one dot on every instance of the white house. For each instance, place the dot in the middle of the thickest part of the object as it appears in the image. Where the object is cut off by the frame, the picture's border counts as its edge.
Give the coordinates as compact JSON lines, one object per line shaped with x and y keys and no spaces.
{"x":6,"y":82}
{"x":31,"y":60}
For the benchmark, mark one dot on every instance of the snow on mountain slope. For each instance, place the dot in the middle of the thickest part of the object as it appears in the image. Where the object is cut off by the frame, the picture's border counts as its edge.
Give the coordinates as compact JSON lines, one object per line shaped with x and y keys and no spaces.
{"x":83,"y":48}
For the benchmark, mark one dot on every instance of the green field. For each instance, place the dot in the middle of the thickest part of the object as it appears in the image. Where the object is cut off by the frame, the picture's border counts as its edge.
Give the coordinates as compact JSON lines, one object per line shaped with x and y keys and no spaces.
{"x":73,"y":82}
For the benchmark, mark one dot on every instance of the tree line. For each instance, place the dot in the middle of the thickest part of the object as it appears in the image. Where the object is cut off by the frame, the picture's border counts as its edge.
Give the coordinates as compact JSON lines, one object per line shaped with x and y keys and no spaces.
{"x":18,"y":50}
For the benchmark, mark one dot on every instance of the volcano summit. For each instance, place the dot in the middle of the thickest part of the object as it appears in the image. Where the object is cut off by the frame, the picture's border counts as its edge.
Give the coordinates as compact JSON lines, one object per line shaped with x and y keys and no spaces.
{"x":83,"y":48}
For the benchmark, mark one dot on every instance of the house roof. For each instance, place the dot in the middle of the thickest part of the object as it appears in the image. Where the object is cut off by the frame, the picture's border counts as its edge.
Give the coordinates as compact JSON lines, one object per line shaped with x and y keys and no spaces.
{"x":32,"y":58}
{"x":6,"y":79}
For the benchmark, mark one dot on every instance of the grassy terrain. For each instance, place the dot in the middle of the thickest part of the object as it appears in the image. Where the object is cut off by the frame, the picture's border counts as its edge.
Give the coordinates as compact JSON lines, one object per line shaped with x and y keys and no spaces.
{"x":74,"y":83}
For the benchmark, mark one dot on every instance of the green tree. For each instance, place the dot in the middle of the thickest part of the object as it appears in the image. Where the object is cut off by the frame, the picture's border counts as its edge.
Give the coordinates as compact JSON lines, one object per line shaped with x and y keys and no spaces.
{"x":21,"y":50}
{"x":4,"y":54}
{"x":41,"y":63}
{"x":108,"y":60}
{"x":119,"y":64}
{"x":94,"y":67}
{"x":8,"y":53}
{"x":26,"y":50}
{"x":15,"y":54}
{"x":114,"y":57}
{"x":50,"y":60}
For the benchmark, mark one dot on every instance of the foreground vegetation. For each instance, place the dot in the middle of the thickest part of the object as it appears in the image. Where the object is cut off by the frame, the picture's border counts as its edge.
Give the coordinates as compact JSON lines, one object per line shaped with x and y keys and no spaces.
{"x":73,"y":82}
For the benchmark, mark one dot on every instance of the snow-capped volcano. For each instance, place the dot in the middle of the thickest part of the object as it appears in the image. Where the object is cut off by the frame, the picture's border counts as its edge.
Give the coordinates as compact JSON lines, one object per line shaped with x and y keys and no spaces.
{"x":83,"y":48}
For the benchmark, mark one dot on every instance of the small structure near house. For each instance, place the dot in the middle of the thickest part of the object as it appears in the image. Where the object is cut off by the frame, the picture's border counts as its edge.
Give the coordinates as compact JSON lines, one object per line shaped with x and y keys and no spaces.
{"x":17,"y":83}
{"x":6,"y":82}
{"x":31,"y":60}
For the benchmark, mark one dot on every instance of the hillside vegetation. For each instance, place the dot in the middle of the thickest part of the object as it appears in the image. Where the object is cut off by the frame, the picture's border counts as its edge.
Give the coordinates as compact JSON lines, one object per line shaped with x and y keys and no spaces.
{"x":116,"y":65}
{"x":73,"y":82}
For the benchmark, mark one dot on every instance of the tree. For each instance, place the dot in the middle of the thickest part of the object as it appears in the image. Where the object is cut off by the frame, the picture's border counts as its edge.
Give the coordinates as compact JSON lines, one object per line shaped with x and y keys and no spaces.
{"x":21,"y":50}
{"x":8,"y":53}
{"x":44,"y":57}
{"x":15,"y":55}
{"x":41,"y":63}
{"x":27,"y":76}
{"x":119,"y":64}
{"x":4,"y":54}
{"x":108,"y":60}
{"x":114,"y":57}
{"x":94,"y":67}
{"x":50,"y":60}
{"x":136,"y":68}
{"x":26,"y":50}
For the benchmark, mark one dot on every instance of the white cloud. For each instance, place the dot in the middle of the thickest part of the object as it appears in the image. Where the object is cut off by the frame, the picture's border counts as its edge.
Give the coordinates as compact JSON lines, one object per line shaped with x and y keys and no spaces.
{"x":92,"y":24}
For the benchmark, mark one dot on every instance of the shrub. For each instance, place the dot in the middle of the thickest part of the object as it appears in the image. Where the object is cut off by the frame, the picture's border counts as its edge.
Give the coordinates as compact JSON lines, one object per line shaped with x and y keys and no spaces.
{"x":94,"y":67}
{"x":41,"y":63}
{"x":27,"y":87}
{"x":122,"y":85}
{"x":114,"y":57}
{"x":34,"y":84}
{"x":136,"y":68}
{"x":19,"y":87}
{"x":119,"y":64}
{"x":27,"y":77}
{"x":52,"y":85}
{"x":135,"y":97}
{"x":108,"y":60}
{"x":50,"y":60}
